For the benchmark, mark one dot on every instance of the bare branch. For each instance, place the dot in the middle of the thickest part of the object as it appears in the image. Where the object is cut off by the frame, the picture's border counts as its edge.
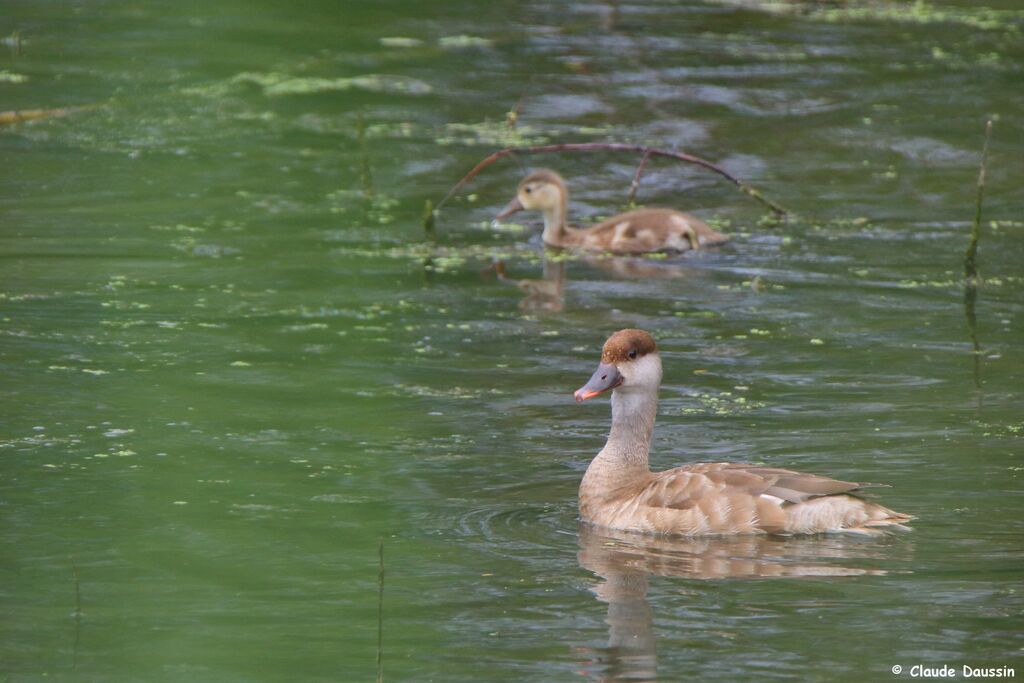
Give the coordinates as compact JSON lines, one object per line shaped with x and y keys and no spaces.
{"x":635,"y":185}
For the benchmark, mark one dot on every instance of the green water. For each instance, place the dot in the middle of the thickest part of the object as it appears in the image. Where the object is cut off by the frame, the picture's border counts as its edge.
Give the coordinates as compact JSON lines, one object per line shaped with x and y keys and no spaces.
{"x":233,"y":364}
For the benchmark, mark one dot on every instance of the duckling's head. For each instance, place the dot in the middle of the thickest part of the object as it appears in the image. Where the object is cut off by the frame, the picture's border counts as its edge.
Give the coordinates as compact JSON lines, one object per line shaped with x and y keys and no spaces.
{"x":629,"y":362}
{"x":542,"y":190}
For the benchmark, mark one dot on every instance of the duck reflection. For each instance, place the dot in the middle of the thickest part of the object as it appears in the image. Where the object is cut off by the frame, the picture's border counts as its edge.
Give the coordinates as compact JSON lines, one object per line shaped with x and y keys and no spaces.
{"x":624,"y":560}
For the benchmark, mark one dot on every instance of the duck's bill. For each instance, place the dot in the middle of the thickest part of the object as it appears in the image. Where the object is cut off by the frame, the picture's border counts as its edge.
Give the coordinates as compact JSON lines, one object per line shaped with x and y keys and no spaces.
{"x":604,"y":378}
{"x":510,"y":208}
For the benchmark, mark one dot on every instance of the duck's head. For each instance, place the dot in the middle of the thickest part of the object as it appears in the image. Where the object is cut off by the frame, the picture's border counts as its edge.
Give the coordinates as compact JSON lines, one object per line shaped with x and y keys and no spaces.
{"x":542,"y":190}
{"x":629,"y":362}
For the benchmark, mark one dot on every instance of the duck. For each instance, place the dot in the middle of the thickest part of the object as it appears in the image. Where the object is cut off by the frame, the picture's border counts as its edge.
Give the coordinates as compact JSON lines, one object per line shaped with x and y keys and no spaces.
{"x":634,"y":232}
{"x":620,"y":492}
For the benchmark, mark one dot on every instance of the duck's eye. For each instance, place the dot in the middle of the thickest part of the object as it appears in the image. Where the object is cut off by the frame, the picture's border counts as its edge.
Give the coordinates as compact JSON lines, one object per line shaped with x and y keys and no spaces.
{"x":632,"y":353}
{"x":527,"y":189}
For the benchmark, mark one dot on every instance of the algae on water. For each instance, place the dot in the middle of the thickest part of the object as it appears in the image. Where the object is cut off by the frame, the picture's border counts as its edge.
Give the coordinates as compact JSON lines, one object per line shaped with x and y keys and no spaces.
{"x":464,"y":41}
{"x":400,"y":41}
{"x":490,"y":133}
{"x":916,"y":12}
{"x":276,"y":84}
{"x":11,"y":77}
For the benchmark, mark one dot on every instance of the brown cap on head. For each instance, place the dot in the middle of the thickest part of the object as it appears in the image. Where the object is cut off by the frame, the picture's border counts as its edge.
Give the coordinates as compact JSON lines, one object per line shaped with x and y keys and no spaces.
{"x":627,"y":345}
{"x":543,"y":175}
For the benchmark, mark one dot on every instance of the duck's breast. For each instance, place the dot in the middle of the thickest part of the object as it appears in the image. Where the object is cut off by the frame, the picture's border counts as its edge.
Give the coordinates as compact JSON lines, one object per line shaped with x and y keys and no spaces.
{"x":685,"y":501}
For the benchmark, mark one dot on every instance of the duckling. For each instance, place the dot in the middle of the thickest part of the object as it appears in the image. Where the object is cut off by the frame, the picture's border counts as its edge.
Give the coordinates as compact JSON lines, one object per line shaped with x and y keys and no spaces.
{"x":634,"y":232}
{"x":619,"y":491}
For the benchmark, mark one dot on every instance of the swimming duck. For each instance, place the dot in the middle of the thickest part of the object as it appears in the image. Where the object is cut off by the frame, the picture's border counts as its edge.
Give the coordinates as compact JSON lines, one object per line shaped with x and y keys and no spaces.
{"x":619,"y":491}
{"x":634,"y":232}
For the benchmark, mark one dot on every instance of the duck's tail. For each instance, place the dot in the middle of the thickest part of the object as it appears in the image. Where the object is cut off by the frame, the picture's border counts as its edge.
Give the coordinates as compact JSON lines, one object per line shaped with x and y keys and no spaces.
{"x":882,"y":520}
{"x":844,"y":514}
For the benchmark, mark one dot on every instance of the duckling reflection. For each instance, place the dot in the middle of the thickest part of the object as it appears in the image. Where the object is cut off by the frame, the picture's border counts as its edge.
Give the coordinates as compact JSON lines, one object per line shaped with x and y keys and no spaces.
{"x":624,"y":560}
{"x":639,"y":268}
{"x":544,"y":294}
{"x":547,"y":293}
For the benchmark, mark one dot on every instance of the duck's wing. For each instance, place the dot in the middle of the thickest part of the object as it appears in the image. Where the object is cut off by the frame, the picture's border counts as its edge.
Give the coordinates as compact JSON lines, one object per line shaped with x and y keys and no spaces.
{"x":794,"y":487}
{"x":650,"y":230}
{"x":710,"y":498}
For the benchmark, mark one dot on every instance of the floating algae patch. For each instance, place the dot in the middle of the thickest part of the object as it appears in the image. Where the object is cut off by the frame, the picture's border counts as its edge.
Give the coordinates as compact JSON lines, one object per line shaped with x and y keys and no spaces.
{"x":697,"y":314}
{"x":190,"y":246}
{"x":956,"y":60}
{"x":11,"y":77}
{"x":918,"y":12}
{"x":955,"y":281}
{"x":464,"y":41}
{"x":399,"y":41}
{"x":1003,"y":430}
{"x":741,"y":45}
{"x":921,"y":12}
{"x":306,"y":327}
{"x":756,"y":284}
{"x":509,"y":228}
{"x":376,"y":207}
{"x":462,"y":393}
{"x":721,"y":403}
{"x":391,"y":129}
{"x":490,"y":133}
{"x":443,"y":257}
{"x":180,"y":227}
{"x":276,"y":84}
{"x":343,"y":124}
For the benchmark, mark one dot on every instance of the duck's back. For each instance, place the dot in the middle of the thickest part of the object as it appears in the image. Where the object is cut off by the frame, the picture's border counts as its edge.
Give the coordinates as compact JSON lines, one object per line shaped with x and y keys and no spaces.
{"x":729,"y":498}
{"x":647,"y":230}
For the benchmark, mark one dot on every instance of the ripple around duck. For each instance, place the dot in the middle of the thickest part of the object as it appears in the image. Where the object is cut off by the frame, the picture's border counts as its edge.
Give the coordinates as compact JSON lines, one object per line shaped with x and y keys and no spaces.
{"x":505,"y":528}
{"x":543,"y":535}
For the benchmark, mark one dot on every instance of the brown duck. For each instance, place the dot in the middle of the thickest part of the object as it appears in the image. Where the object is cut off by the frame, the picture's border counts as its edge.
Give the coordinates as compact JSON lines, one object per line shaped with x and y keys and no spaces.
{"x":619,"y":491}
{"x":634,"y":232}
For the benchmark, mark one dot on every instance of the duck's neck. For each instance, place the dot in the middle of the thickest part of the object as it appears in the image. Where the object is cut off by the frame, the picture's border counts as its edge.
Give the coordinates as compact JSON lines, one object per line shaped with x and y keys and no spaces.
{"x":629,"y":441}
{"x":555,"y":229}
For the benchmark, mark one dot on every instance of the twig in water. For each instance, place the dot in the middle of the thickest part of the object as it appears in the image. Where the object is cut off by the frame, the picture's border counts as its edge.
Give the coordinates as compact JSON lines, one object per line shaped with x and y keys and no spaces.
{"x":611,"y":147}
{"x":635,"y":185}
{"x":970,"y":300}
{"x":512,"y":115}
{"x":971,"y":278}
{"x":77,"y":614}
{"x":380,"y":615}
{"x":519,"y":163}
{"x":18,"y":116}
{"x":428,"y":218}
{"x":365,"y":170}
{"x":970,"y":258}
{"x":14,"y":41}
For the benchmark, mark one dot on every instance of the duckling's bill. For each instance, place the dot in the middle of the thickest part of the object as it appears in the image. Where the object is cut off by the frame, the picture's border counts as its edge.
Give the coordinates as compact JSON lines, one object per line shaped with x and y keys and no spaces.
{"x":604,"y":378}
{"x":510,"y":208}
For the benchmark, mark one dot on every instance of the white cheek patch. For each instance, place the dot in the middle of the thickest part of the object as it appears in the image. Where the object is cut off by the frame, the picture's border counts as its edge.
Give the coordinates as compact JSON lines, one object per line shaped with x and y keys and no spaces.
{"x":549,"y":196}
{"x":644,"y":371}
